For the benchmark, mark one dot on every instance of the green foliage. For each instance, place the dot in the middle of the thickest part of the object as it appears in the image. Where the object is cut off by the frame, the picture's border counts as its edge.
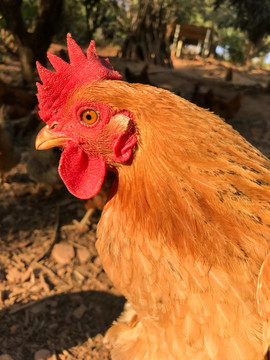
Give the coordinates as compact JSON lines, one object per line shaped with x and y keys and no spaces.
{"x":90,"y":19}
{"x":241,"y":26}
{"x":73,"y":20}
{"x":252,"y":16}
{"x":102,"y":15}
{"x":29,"y":10}
{"x":112,"y":20}
{"x":2,"y":22}
{"x":233,"y":41}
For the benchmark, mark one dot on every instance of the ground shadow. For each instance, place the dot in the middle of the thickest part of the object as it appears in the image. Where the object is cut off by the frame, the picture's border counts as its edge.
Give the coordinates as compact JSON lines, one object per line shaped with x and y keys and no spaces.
{"x":26,"y":210}
{"x":57,"y":322}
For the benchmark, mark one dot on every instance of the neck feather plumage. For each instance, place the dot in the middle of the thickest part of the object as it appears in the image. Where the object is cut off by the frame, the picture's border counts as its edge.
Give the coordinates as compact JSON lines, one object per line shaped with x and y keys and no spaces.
{"x":186,"y":185}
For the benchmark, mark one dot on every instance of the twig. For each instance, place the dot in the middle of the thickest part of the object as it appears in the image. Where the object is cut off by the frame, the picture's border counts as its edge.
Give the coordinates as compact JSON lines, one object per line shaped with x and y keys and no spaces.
{"x":54,"y":238}
{"x":26,"y":306}
{"x":49,"y":272}
{"x":77,"y":245}
{"x":44,"y":283}
{"x":79,"y":275}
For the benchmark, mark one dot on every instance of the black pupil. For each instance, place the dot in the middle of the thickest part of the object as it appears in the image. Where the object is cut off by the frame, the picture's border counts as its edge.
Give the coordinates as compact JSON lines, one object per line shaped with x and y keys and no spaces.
{"x":88,"y":117}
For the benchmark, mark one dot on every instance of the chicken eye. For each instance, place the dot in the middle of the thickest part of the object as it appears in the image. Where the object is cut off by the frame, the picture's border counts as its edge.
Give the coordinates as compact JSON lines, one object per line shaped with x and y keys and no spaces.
{"x":89,"y":116}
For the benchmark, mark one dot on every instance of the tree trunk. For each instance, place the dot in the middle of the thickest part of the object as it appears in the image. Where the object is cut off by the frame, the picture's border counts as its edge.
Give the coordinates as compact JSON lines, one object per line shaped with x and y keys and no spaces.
{"x":32,"y":46}
{"x":27,"y":59}
{"x":148,"y":38}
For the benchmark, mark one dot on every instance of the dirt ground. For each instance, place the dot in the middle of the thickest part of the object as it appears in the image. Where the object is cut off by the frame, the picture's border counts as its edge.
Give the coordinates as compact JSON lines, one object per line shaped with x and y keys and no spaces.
{"x":63,"y":303}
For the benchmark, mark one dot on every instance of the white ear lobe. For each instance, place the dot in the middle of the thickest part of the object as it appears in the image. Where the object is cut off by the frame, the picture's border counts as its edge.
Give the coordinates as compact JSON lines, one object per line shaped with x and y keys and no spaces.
{"x":120,"y":122}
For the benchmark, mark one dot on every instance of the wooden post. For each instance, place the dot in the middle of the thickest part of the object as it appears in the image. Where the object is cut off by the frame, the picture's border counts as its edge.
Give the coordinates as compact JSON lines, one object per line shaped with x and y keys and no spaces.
{"x":206,"y":44}
{"x":179,"y":48}
{"x":176,"y":35}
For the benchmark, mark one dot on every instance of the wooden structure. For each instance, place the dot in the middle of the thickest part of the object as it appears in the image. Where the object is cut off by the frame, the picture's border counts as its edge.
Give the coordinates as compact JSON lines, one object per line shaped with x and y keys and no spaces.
{"x":200,"y":36}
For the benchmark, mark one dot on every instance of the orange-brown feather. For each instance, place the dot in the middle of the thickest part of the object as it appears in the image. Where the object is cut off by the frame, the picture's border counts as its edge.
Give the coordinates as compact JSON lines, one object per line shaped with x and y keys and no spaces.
{"x":186,"y":231}
{"x":205,"y":177}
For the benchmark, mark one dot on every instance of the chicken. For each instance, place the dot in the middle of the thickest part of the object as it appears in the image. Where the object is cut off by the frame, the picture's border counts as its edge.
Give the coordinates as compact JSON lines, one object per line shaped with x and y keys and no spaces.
{"x":9,"y":155}
{"x":20,"y":102}
{"x":96,"y":203}
{"x":226,"y":109}
{"x":141,"y":78}
{"x":42,"y":166}
{"x":63,"y":54}
{"x":267,"y":89}
{"x":198,"y":97}
{"x":229,"y":74}
{"x":186,"y":230}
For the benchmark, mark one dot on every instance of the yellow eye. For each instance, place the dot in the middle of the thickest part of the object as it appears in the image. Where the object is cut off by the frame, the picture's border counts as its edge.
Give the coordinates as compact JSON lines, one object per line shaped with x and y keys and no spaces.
{"x":89,"y":116}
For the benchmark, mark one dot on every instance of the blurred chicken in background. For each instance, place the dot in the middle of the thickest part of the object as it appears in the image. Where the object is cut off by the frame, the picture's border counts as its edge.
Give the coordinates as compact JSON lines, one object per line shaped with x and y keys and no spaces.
{"x":63,"y":54}
{"x":226,"y":109}
{"x":42,"y":166}
{"x":198,"y":97}
{"x":19,"y":101}
{"x":229,"y":74}
{"x":96,"y":203}
{"x":9,"y":157}
{"x":141,"y":78}
{"x":267,"y":89}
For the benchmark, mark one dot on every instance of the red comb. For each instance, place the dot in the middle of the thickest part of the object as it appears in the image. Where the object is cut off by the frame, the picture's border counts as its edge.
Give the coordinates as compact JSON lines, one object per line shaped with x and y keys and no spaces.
{"x":82,"y":69}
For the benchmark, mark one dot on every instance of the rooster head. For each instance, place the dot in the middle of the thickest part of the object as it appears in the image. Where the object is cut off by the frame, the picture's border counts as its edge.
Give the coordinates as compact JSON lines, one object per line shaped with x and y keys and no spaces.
{"x":93,"y":135}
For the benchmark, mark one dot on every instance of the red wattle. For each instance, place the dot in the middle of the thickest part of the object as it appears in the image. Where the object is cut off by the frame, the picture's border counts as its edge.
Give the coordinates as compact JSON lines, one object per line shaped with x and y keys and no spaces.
{"x":83,"y":174}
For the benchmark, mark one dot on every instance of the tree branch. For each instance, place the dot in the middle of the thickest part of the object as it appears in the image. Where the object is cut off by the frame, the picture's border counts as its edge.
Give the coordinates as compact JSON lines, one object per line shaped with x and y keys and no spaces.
{"x":11,"y":10}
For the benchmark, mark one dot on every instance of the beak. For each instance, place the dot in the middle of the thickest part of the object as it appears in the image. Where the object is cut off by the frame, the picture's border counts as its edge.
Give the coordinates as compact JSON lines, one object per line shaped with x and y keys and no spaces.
{"x":47,"y":140}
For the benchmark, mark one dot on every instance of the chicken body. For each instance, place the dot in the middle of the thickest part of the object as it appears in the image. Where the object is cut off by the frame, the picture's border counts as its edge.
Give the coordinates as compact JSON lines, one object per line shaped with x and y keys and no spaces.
{"x":18,"y":101}
{"x":42,"y":166}
{"x":9,"y":157}
{"x":96,"y":203}
{"x":141,"y":78}
{"x":208,"y":100}
{"x":193,"y":235}
{"x":225,"y":109}
{"x":185,"y":233}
